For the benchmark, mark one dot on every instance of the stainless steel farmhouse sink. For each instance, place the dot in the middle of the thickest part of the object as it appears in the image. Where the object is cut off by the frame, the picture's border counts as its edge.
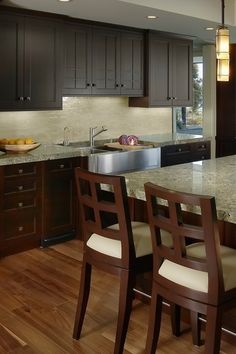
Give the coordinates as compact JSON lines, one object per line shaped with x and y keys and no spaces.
{"x":124,"y":161}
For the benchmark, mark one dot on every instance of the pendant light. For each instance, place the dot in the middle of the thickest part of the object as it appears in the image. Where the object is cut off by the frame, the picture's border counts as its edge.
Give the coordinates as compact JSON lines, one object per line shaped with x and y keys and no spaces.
{"x":222,"y":69}
{"x":222,"y":49}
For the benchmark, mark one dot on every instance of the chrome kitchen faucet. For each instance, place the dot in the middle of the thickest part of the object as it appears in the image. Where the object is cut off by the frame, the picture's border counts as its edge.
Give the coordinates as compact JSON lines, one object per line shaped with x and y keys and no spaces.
{"x":93,"y":133}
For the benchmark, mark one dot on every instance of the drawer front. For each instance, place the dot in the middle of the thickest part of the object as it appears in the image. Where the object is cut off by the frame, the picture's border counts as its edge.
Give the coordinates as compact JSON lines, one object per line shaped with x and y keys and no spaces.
{"x":177,"y":149}
{"x":19,"y":201}
{"x":23,"y":169}
{"x":59,"y":165}
{"x":203,"y":146}
{"x":19,"y":224}
{"x":20,"y":185}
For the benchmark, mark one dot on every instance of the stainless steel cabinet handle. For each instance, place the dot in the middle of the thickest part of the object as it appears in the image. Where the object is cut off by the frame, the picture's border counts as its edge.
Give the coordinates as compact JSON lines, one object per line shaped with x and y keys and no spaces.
{"x":20,"y":204}
{"x":61,"y":166}
{"x":20,"y":228}
{"x":21,"y":98}
{"x":28,"y":98}
{"x":20,"y":170}
{"x":20,"y":188}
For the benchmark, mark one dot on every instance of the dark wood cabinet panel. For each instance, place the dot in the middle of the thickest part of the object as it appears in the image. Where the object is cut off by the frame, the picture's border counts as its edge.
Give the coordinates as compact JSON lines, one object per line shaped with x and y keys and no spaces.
{"x":183,"y":153}
{"x":77,"y":60}
{"x":131,"y":64}
{"x":226,"y":111}
{"x":20,"y":207}
{"x":105,"y":62}
{"x":31,"y":62}
{"x":168,"y":73}
{"x":59,"y":200}
{"x":102,"y":61}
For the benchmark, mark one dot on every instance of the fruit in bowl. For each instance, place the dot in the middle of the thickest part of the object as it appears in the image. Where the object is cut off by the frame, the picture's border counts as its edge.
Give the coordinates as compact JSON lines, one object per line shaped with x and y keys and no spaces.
{"x":18,"y":145}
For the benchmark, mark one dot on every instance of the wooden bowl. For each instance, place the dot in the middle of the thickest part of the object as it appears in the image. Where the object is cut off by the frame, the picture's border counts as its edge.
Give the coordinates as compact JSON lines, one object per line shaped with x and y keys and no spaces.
{"x":18,"y":149}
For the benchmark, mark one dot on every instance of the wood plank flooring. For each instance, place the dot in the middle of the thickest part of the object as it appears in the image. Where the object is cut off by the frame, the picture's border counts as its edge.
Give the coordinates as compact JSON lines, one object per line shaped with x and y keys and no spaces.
{"x":38,"y":293}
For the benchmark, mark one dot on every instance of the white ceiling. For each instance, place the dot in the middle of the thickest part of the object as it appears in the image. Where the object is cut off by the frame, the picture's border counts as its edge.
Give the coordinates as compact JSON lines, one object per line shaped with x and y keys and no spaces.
{"x":187,"y":17}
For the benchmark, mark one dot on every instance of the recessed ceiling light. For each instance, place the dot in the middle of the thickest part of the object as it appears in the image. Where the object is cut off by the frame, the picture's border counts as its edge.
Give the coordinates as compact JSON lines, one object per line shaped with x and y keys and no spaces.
{"x":209,"y":29}
{"x":64,"y":0}
{"x":151,"y":17}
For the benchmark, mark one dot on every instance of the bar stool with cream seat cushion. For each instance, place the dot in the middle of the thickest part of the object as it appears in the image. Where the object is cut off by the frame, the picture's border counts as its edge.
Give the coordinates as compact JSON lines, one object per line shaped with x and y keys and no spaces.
{"x":111,"y":242}
{"x":200,"y":276}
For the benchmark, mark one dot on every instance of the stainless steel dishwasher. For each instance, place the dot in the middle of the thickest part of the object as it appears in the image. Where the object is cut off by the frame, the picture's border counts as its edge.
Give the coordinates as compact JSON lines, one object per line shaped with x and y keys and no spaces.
{"x":125,"y":161}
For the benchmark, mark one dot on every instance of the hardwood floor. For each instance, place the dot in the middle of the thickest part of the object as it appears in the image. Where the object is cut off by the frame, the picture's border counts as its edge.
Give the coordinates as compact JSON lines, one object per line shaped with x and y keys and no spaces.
{"x":38,"y":292}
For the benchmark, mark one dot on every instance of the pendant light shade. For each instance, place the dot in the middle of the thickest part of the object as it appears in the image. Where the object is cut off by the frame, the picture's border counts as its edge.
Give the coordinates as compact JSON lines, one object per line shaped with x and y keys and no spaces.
{"x":222,"y":49}
{"x":222,"y":43}
{"x":222,"y":69}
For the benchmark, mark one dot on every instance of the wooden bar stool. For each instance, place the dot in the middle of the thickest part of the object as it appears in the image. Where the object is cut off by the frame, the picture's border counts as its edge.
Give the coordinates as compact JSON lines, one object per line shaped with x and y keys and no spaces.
{"x":200,"y":276}
{"x":111,"y":242}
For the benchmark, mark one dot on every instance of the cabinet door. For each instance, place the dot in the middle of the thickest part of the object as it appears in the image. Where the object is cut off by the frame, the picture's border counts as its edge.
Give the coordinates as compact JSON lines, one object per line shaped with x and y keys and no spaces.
{"x":11,"y":61}
{"x":131,"y":66}
{"x":77,"y":60}
{"x":182,"y":81}
{"x":42,"y":65}
{"x":30,"y":62}
{"x":160,"y":72}
{"x":105,"y":62}
{"x":59,"y":200}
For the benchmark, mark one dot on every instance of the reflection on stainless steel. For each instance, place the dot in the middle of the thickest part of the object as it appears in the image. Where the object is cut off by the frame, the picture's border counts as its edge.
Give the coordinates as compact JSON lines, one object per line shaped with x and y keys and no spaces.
{"x":123,"y":161}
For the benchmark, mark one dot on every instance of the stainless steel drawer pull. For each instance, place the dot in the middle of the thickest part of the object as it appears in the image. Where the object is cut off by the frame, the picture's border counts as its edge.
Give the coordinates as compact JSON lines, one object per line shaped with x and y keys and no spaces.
{"x":179,"y":150}
{"x":20,"y":170}
{"x":62,"y":166}
{"x":20,"y":188}
{"x":20,"y":204}
{"x":203,"y":146}
{"x":20,"y":228}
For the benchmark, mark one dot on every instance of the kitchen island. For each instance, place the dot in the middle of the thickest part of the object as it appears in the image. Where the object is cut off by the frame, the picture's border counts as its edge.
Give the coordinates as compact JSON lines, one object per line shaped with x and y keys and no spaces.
{"x":215,"y":177}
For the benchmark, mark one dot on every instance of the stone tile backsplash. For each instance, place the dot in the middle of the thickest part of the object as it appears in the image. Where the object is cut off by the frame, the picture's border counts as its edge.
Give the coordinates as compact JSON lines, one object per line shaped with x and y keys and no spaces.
{"x":80,"y":113}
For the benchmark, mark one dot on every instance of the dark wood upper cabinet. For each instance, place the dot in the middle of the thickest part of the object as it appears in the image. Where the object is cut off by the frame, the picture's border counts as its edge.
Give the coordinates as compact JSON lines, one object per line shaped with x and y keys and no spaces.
{"x":226,"y":111}
{"x":168,"y":72}
{"x":102,"y":61}
{"x":31,"y":53}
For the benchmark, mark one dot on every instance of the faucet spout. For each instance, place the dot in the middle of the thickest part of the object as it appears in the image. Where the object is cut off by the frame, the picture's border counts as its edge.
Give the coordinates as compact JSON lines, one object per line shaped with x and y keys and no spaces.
{"x":93,"y":133}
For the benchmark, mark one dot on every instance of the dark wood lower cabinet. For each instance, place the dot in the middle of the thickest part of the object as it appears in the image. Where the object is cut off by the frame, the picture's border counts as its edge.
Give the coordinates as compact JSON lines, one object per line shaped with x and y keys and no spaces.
{"x":20,"y":207}
{"x":58,"y":201}
{"x":183,"y":153}
{"x":38,"y":204}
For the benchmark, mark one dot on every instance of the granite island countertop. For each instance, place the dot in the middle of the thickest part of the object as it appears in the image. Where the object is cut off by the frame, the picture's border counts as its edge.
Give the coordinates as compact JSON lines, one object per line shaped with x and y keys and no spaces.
{"x":216,"y":177}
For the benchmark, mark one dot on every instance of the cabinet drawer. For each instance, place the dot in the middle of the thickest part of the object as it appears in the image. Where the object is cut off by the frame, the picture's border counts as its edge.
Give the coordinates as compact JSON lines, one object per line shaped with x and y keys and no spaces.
{"x":19,"y":201}
{"x":203,"y":146}
{"x":20,"y":169}
{"x":20,"y":185}
{"x":19,"y":223}
{"x":59,"y":165}
{"x":177,"y":149}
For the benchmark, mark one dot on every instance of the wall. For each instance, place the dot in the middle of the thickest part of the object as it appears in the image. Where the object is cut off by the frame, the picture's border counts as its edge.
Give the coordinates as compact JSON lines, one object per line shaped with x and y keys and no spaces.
{"x":80,"y":113}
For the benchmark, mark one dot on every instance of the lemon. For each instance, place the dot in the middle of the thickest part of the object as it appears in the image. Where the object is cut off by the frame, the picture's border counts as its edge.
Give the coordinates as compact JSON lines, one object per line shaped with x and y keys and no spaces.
{"x":29,"y":141}
{"x":11,"y":141}
{"x":19,"y":141}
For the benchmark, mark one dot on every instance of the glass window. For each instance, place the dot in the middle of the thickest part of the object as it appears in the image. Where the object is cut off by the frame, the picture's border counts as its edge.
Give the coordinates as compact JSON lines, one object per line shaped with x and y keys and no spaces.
{"x":188,"y":120}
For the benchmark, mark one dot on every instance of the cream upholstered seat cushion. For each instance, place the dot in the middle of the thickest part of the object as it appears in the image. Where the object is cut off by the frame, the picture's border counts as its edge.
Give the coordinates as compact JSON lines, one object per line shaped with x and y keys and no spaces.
{"x":142,"y":241}
{"x":198,"y":280}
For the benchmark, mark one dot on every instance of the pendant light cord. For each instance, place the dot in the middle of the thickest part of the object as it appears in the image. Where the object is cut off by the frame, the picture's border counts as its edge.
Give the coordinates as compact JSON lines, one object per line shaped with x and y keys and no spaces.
{"x":223,"y":12}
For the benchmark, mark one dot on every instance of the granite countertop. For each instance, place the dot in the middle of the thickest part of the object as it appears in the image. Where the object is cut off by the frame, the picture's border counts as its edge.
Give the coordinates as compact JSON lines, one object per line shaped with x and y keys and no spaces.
{"x":54,"y":151}
{"x":172,"y":139}
{"x":43,"y":153}
{"x":216,"y":177}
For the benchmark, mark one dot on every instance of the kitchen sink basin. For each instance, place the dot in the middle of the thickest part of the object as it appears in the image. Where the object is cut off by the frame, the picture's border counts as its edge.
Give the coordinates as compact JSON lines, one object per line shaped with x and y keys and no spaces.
{"x":124,"y":161}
